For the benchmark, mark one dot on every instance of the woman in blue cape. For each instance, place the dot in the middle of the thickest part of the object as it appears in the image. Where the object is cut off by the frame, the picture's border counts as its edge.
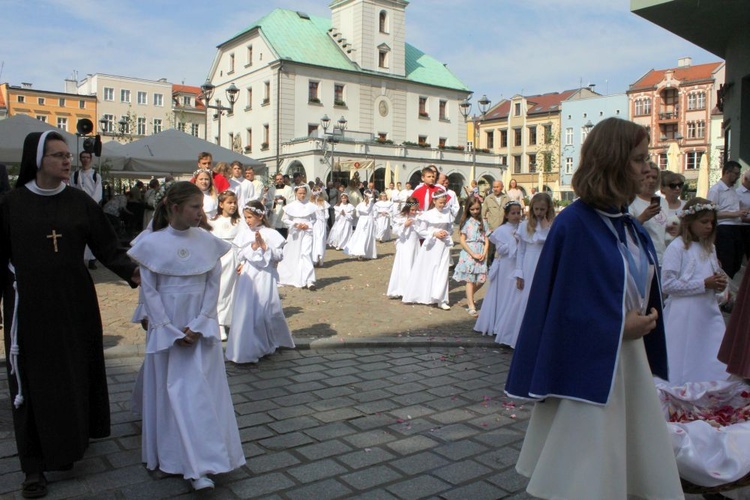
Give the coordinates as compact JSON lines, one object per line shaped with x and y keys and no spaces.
{"x":592,"y":336}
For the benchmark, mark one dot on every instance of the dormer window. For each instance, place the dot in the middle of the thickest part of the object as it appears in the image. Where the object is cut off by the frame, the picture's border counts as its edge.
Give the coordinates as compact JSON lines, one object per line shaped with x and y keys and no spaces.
{"x":383,"y":53}
{"x":383,"y":22}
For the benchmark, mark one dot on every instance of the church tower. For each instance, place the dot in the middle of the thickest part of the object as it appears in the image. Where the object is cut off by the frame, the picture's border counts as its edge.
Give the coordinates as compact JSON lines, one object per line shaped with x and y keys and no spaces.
{"x":371,"y":33}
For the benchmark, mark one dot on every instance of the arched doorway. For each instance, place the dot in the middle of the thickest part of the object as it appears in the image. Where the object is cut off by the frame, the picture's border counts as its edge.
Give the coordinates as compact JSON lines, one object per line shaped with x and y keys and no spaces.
{"x":456,"y":183}
{"x":378,"y":177}
{"x":296,"y":167}
{"x":415,"y":179}
{"x":485,"y":184}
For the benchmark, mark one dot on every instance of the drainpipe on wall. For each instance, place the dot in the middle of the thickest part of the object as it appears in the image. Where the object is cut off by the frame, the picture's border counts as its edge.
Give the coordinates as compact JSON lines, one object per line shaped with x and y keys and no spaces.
{"x":278,"y":116}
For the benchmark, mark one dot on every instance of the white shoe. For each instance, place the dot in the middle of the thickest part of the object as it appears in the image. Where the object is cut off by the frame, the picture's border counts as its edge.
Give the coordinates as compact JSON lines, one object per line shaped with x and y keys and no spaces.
{"x":444,"y":306}
{"x":202,"y":483}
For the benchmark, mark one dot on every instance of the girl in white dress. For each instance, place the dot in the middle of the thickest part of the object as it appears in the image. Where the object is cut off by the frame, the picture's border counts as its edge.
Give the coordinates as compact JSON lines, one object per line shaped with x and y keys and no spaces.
{"x":691,"y":276}
{"x":277,"y":214}
{"x":205,"y":182}
{"x":383,"y":213}
{"x":297,"y":269}
{"x":342,"y":226}
{"x":407,"y":247}
{"x":429,"y":276}
{"x":532,"y":234}
{"x":503,"y":297}
{"x":319,"y":227}
{"x":362,"y":242}
{"x":259,"y":326}
{"x":225,"y":226}
{"x":189,"y":427}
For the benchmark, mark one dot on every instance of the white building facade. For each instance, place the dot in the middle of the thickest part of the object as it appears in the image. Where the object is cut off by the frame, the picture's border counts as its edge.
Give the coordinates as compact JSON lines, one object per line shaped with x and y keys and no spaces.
{"x":401,"y":106}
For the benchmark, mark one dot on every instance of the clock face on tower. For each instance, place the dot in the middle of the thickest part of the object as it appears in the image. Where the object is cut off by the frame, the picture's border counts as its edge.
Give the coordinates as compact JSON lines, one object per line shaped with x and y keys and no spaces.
{"x":383,"y":108}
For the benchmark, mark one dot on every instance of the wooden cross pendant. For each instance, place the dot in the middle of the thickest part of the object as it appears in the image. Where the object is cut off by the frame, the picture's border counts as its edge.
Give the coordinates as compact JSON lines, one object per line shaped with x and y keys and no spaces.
{"x":54,"y":237}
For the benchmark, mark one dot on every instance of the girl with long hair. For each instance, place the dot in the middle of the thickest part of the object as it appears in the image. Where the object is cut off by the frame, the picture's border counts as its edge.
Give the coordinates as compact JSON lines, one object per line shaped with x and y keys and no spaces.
{"x":472,"y":261}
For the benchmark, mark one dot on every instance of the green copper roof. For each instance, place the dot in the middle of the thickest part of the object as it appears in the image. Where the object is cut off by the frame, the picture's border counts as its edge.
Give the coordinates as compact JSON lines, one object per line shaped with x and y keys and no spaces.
{"x":295,"y":36}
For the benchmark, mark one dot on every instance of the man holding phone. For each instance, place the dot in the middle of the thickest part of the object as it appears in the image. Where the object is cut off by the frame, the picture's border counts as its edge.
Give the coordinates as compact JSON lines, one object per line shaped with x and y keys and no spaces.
{"x":651,"y":209}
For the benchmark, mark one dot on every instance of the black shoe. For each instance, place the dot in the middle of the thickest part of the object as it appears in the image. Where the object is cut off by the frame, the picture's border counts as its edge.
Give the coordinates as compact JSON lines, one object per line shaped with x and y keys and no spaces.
{"x":92,"y":265}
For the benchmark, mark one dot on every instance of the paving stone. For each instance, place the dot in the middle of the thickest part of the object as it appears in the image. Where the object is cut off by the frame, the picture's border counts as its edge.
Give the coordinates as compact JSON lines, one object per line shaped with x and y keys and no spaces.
{"x":499,"y":458}
{"x":462,"y":472}
{"x":254,"y":407}
{"x":475,"y":491}
{"x":415,"y":426}
{"x":499,"y":438}
{"x":330,"y":431}
{"x":297,"y":388}
{"x":293,"y":424}
{"x":455,"y":432}
{"x":420,"y":487}
{"x":374,"y":358}
{"x":406,"y":368}
{"x":331,"y":404}
{"x":365,"y":396}
{"x":320,"y":469}
{"x":300,"y":398}
{"x":377,"y":494}
{"x":116,"y":478}
{"x":342,"y":381}
{"x":372,"y":421}
{"x":286,"y":441}
{"x":369,"y":439}
{"x":435,"y":372}
{"x":380,"y":365}
{"x":340,"y":372}
{"x":410,"y":412}
{"x":261,"y":485}
{"x":414,"y":398}
{"x":272,"y":394}
{"x":421,"y":462}
{"x":253,"y":419}
{"x":365,"y":458}
{"x":404,"y":378}
{"x":275,"y":374}
{"x":477,"y":383}
{"x":452,"y":416}
{"x":324,"y":450}
{"x":406,"y":388}
{"x":370,"y":385}
{"x":272,"y":382}
{"x":337,"y":415}
{"x":255,"y":433}
{"x":444,"y":403}
{"x":444,"y":381}
{"x":310,"y":377}
{"x":371,"y":477}
{"x":375,"y":375}
{"x":163,"y":488}
{"x":460,"y":449}
{"x":328,"y":489}
{"x":271,"y":461}
{"x":291,"y":412}
{"x":334,"y":392}
{"x":509,"y":480}
{"x":374,"y":407}
{"x":412,"y":444}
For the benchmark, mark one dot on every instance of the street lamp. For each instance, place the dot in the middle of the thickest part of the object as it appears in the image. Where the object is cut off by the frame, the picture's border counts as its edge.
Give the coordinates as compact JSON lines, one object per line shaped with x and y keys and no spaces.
{"x":465,"y":109}
{"x":232,"y":94}
{"x":339,"y":126}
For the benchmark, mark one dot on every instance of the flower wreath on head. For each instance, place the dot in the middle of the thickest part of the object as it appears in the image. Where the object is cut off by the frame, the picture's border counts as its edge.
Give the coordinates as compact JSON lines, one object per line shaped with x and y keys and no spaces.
{"x":255,"y":210}
{"x":162,"y":192}
{"x":699,"y":207}
{"x":510,"y":204}
{"x":203,"y":171}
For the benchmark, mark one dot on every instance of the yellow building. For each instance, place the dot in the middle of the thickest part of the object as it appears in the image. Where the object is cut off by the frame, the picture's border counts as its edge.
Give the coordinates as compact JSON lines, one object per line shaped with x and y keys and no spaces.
{"x":58,"y":109}
{"x":525,"y":132}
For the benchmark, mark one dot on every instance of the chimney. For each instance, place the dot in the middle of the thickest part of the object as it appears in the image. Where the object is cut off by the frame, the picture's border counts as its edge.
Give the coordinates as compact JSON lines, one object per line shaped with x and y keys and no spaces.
{"x":684,"y":62}
{"x":25,"y":85}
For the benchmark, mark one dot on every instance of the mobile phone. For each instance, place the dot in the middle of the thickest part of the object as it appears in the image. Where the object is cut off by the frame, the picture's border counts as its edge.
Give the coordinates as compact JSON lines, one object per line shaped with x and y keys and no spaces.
{"x":656,"y":200}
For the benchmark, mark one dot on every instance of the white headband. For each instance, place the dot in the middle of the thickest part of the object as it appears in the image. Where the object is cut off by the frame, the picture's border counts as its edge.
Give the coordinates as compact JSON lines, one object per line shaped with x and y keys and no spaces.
{"x":439,"y":194}
{"x":40,"y":149}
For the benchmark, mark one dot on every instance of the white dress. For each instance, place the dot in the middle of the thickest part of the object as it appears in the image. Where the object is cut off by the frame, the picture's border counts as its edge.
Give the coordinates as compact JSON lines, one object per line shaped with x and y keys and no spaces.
{"x":210,"y":205}
{"x":189,"y":426}
{"x":656,"y":225}
{"x":296,"y":269}
{"x":501,"y":302}
{"x":342,"y":226}
{"x":383,"y":211}
{"x":362,"y":242}
{"x":224,"y":229}
{"x":529,"y":249}
{"x":618,"y":451}
{"x":258,"y":323}
{"x":429,"y":284}
{"x":407,"y":247}
{"x":319,"y":233}
{"x":693,"y":323}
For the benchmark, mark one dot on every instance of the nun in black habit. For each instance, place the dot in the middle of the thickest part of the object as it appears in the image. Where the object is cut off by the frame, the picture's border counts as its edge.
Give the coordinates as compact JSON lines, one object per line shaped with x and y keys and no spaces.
{"x":53,"y":329}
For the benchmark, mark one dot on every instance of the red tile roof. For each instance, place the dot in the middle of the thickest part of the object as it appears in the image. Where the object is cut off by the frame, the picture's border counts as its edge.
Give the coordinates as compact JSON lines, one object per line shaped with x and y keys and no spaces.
{"x":537,"y":104}
{"x":189,"y":89}
{"x":686,"y":74}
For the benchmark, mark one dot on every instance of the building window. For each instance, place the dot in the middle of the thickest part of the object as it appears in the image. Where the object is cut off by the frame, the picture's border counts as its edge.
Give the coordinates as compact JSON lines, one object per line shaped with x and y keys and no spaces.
{"x":490,"y":138}
{"x":548,"y":133}
{"x":517,"y":109}
{"x":584,"y":134}
{"x":110,"y":126}
{"x":61,"y":102}
{"x":532,"y":163}
{"x":338,"y":94}
{"x":532,"y":135}
{"x":693,"y":160}
{"x":40,"y":100}
{"x":569,"y":136}
{"x":700,"y":129}
{"x":568,"y":165}
{"x":181,"y":126}
{"x":126,"y":124}
{"x":643,"y":106}
{"x":249,"y":99}
{"x":668,"y":132}
{"x":662,"y":161}
{"x":696,"y":100}
{"x":691,"y":130}
{"x":194,"y":129}
{"x":62,"y":123}
{"x":382,"y":136}
{"x":517,"y":137}
{"x":312,"y":129}
{"x":158,"y":100}
{"x":516,"y":164}
{"x":312,"y":92}
{"x":503,"y":138}
{"x":383,"y":59}
{"x":266,"y":137}
{"x":124,"y":95}
{"x":82,"y":104}
{"x":249,"y":55}
{"x":423,"y":107}
{"x":441,"y":142}
{"x":547,"y":161}
{"x":422,"y":140}
{"x":157,"y":125}
{"x":442,"y":107}
{"x":187,"y":101}
{"x":109,"y":94}
{"x":383,"y":22}
{"x":266,"y":93}
{"x":231,"y":63}
{"x":142,"y":97}
{"x":249,"y":142}
{"x":141,"y":124}
{"x":42,"y":118}
{"x":21,"y":98}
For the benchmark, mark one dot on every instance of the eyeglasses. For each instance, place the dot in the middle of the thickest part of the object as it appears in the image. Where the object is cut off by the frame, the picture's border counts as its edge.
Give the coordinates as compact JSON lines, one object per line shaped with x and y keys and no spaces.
{"x":677,"y":185}
{"x":61,"y":156}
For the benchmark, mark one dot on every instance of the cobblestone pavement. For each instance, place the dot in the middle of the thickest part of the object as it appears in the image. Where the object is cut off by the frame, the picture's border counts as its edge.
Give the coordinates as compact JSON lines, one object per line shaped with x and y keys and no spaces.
{"x":398,"y":422}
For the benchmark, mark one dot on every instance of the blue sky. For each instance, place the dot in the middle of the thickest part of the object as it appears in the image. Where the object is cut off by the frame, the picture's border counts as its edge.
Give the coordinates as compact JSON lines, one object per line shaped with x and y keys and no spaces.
{"x":497,"y":47}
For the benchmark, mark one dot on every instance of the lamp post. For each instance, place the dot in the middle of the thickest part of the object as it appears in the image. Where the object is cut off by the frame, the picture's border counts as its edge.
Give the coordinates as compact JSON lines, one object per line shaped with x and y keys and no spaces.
{"x":339,"y":126}
{"x":465,"y":109}
{"x":232,"y":94}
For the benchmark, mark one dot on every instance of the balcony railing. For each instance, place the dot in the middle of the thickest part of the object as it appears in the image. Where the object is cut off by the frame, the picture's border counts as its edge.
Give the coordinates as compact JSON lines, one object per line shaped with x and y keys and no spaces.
{"x":669,"y":116}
